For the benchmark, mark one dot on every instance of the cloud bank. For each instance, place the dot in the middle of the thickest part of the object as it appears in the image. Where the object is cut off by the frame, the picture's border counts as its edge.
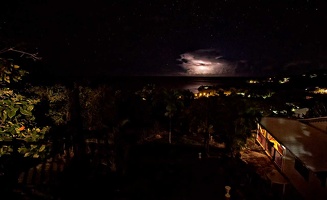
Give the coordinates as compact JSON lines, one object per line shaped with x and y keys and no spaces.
{"x":206,"y":62}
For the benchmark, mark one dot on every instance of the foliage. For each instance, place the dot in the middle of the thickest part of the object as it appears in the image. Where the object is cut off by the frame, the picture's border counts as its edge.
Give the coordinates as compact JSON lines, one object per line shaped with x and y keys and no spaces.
{"x":230,"y":118}
{"x":204,"y":115}
{"x":18,"y":124}
{"x":174,"y":104}
{"x":10,"y":72}
{"x":98,"y":106}
{"x":238,"y":121}
{"x":57,"y":102}
{"x":318,"y":108}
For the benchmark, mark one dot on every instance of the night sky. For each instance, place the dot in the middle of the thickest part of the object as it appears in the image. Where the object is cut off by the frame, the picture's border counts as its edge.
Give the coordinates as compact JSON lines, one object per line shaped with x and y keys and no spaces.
{"x":181,"y":37}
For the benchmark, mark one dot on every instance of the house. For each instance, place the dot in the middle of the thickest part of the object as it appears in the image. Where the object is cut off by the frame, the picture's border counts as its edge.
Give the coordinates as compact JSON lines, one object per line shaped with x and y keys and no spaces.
{"x":298,"y":147}
{"x":205,"y":91}
{"x":209,"y":90}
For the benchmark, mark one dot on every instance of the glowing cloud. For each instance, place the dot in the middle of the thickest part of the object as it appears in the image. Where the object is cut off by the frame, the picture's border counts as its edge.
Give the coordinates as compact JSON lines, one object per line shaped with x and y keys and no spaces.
{"x":206,"y":62}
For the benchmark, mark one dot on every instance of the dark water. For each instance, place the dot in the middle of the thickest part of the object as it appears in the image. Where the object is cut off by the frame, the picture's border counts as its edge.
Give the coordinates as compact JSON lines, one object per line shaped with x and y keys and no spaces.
{"x":186,"y":83}
{"x":135,"y":83}
{"x":138,"y":82}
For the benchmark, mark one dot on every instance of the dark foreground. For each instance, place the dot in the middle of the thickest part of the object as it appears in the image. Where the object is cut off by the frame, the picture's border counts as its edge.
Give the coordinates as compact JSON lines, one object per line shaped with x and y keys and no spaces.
{"x":162,"y":171}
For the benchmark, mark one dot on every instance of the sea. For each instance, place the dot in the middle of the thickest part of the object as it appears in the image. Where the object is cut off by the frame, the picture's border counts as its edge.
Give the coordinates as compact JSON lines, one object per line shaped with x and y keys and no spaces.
{"x":192,"y":83}
{"x":175,"y":82}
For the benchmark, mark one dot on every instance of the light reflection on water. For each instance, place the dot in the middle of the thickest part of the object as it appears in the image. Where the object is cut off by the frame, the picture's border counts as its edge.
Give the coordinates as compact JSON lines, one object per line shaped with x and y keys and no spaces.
{"x":193,"y":87}
{"x":184,"y":83}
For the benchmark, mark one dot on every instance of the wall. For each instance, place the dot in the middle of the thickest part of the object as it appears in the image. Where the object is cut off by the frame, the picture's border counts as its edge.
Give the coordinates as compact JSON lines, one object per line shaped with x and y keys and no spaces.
{"x":310,"y":188}
{"x":304,"y":180}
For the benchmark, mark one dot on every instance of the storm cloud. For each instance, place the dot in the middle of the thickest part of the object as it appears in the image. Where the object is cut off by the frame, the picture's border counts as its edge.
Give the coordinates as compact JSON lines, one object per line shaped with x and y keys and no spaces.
{"x":210,"y":62}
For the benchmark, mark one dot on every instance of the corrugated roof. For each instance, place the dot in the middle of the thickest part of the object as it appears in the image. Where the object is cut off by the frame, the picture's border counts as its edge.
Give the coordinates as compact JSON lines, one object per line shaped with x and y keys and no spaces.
{"x":304,"y":141}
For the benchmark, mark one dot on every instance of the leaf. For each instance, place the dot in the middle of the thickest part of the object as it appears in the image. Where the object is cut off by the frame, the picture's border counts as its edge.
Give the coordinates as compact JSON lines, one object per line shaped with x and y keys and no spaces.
{"x":7,"y":78}
{"x":42,"y":148}
{"x":12,"y":112}
{"x":13,"y":131}
{"x":25,"y":112}
{"x":8,"y":102}
{"x":4,"y":116}
{"x":7,"y":71}
{"x":30,"y":107}
{"x":124,"y":122}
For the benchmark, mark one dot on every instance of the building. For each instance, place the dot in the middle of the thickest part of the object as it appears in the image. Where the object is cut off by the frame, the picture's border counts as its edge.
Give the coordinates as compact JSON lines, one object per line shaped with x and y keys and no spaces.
{"x":298,"y":147}
{"x":209,"y":90}
{"x":205,"y":91}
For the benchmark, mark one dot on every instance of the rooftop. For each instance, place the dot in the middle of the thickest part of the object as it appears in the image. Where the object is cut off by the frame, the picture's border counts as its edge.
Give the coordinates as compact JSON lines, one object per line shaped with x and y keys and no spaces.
{"x":306,"y":142}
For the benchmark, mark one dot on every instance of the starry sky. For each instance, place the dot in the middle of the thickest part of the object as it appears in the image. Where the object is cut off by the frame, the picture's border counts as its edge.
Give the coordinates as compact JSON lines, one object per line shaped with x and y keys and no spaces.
{"x":166,"y":37}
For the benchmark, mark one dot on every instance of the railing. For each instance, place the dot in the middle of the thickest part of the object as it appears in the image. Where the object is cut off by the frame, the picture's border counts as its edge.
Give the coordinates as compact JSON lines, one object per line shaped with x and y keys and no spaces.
{"x":311,"y":120}
{"x":51,"y":173}
{"x":48,"y":171}
{"x":318,"y":123}
{"x":18,"y":170}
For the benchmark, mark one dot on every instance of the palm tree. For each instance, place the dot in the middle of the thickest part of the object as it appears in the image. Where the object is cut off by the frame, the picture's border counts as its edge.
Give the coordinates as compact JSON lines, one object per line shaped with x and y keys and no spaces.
{"x":172,"y":99}
{"x":203,"y":118}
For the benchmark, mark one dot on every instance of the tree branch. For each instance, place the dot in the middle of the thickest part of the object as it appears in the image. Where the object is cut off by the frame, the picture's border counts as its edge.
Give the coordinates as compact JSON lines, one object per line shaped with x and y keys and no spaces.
{"x":33,"y":56}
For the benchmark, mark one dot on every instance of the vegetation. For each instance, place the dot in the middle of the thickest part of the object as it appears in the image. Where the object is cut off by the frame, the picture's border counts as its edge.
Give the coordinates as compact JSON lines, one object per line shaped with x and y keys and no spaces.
{"x":88,"y":115}
{"x":109,"y":113}
{"x":18,"y":123}
{"x":23,"y":141}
